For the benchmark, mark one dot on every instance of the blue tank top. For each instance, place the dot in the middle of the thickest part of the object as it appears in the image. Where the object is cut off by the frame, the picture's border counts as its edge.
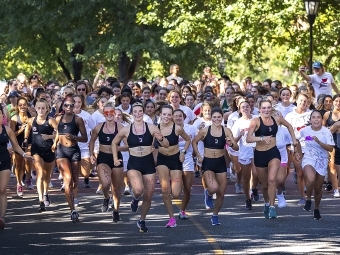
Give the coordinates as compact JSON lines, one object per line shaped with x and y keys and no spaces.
{"x":172,"y":138}
{"x":140,"y":140}
{"x":106,"y":139}
{"x":69,"y":127}
{"x":213,"y":142}
{"x":267,"y":130}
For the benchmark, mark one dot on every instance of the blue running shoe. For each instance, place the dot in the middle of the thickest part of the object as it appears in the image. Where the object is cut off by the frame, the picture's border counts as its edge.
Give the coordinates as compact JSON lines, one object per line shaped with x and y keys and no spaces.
{"x":141,"y":225}
{"x":266,"y":211}
{"x":208,"y":200}
{"x":134,"y":205}
{"x":272,"y":212}
{"x":214,"y":220}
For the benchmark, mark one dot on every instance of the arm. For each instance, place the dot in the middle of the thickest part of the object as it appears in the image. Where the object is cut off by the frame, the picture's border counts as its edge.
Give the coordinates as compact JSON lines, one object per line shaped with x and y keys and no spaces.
{"x":126,"y":146}
{"x":324,"y":146}
{"x":324,"y":119}
{"x":335,"y":88}
{"x":15,"y":144}
{"x":82,"y":130}
{"x":28,"y":129}
{"x":158,"y":135}
{"x":251,"y":138}
{"x":94,"y":135}
{"x":116,"y":141}
{"x":201,"y":134}
{"x":186,"y":138}
{"x":233,"y":144}
{"x":335,"y":127}
{"x":96,"y":79}
{"x":304,"y":75}
{"x":282,"y":121}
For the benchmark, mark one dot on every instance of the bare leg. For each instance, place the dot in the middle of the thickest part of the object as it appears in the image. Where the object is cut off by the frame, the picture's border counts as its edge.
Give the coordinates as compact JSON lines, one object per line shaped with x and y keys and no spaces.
{"x":188,"y":177}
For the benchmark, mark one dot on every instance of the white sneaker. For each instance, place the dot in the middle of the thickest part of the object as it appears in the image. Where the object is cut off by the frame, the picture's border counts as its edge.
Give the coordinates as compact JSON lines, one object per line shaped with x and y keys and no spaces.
{"x":281,"y":201}
{"x":60,"y":177}
{"x":239,"y":189}
{"x":233,"y":176}
{"x":34,"y":174}
{"x":12,"y":175}
{"x":214,"y":196}
{"x":76,"y":202}
{"x":336,"y":193}
{"x":50,"y":185}
{"x":127,"y":190}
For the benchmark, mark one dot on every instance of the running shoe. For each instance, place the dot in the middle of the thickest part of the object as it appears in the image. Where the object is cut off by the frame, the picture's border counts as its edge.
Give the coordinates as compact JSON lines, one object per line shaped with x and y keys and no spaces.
{"x":42,"y":207}
{"x":182,"y":215}
{"x":56,"y":170}
{"x":336,"y":193}
{"x":20,"y":191}
{"x":99,"y":190}
{"x":12,"y":175}
{"x":2,"y":224}
{"x":87,"y":183}
{"x":34,"y":174}
{"x":214,"y":220}
{"x":329,"y":186}
{"x":105,"y":206}
{"x":142,"y":227}
{"x":295,"y":177}
{"x":256,"y":196}
{"x":214,"y":196}
{"x":171,"y":223}
{"x":50,"y":185}
{"x":272,"y":212}
{"x":197,"y":174}
{"x":238,"y":188}
{"x":29,"y":184}
{"x":62,"y":189}
{"x":60,"y":177}
{"x":316,"y":214}
{"x":47,"y":200}
{"x":266,"y":211}
{"x":111,"y":201}
{"x":281,"y":201}
{"x":233,"y":176}
{"x":74,"y":216}
{"x":208,"y":201}
{"x":248,"y":205}
{"x":127,"y":191}
{"x":23,"y":181}
{"x":76,"y":202}
{"x":308,"y":205}
{"x":302,"y":202}
{"x":134,"y":205}
{"x":115,"y":216}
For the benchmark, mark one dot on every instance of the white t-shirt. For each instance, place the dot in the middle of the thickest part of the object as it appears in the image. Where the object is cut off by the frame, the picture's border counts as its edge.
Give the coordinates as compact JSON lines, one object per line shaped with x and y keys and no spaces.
{"x":98,"y":118}
{"x":283,"y":138}
{"x":312,"y":149}
{"x":284,"y":109}
{"x":191,"y":131}
{"x":89,"y":126}
{"x":232,"y":118}
{"x":255,"y":111}
{"x":322,"y":84}
{"x":298,"y":122}
{"x":128,"y":111}
{"x":188,"y":112}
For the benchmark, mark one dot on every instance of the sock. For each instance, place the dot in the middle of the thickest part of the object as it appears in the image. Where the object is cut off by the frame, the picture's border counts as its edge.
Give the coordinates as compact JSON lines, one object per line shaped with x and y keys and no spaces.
{"x":266,"y":204}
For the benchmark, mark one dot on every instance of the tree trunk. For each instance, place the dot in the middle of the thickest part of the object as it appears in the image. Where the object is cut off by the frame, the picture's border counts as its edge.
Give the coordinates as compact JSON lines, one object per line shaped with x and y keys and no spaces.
{"x":65,"y":70}
{"x":77,"y":65}
{"x":127,"y":68}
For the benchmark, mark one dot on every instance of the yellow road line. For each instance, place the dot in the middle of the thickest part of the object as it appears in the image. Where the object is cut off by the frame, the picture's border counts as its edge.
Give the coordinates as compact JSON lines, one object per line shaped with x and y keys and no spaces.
{"x":211,"y":240}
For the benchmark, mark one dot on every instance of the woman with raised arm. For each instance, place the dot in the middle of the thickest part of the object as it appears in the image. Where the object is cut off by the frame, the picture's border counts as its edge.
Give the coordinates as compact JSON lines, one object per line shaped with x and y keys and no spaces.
{"x":266,"y":155}
{"x":109,"y":174}
{"x":141,"y":165}
{"x":170,"y":159}
{"x":6,"y":135}
{"x":215,"y":138}
{"x":68,"y":154}
{"x":42,"y":127}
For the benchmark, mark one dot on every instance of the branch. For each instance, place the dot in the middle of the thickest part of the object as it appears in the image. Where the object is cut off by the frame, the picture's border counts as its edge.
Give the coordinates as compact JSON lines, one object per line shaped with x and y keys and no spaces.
{"x":65,"y":70}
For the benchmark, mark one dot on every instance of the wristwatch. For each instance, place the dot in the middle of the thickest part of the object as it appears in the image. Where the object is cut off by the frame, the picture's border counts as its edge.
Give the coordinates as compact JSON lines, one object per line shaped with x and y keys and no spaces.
{"x":261,"y":137}
{"x":183,"y":151}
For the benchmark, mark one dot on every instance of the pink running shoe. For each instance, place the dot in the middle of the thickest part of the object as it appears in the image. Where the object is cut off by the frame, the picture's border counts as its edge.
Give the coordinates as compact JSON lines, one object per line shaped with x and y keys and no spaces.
{"x":171,"y":223}
{"x":20,"y":192}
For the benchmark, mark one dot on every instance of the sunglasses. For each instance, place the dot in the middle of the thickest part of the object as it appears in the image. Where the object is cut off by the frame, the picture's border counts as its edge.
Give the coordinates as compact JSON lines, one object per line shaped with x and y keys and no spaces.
{"x":68,"y":105}
{"x":81,"y":89}
{"x":107,"y":113}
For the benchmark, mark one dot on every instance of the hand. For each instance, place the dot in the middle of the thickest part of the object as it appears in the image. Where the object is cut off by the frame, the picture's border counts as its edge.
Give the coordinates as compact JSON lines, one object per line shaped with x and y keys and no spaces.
{"x":28,"y":157}
{"x":70,"y":137}
{"x":201,"y":126}
{"x":158,"y":135}
{"x":117,"y":162}
{"x":228,"y":142}
{"x":181,"y":157}
{"x":199,"y":159}
{"x":46,"y":137}
{"x":242,"y":132}
{"x":22,"y":128}
{"x":93,"y":159}
{"x":153,"y":149}
{"x":297,"y":156}
{"x":54,"y":147}
{"x":267,"y":139}
{"x":316,"y":139}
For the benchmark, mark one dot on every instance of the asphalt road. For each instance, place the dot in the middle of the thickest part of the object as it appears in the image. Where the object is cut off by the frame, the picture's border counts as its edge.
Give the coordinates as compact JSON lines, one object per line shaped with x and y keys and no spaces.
{"x":241,"y":232}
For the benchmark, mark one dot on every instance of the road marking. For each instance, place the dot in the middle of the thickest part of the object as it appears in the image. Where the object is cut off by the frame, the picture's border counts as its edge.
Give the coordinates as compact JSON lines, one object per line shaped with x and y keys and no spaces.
{"x":211,"y":240}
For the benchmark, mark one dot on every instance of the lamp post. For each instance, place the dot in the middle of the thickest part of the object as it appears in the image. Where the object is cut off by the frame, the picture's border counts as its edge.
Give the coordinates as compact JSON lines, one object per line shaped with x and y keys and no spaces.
{"x":312,"y":10}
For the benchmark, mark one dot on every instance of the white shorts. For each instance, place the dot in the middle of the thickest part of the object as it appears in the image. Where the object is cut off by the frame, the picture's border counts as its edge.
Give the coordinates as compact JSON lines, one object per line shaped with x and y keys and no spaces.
{"x":284,"y":155}
{"x":125,"y":162}
{"x":188,"y":165}
{"x":96,"y":147}
{"x":320,"y":164}
{"x":245,"y":155}
{"x":232,"y":152}
{"x":84,"y":153}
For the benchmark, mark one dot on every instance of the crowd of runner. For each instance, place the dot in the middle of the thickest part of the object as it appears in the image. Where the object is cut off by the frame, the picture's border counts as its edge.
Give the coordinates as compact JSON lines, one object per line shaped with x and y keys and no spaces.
{"x":136,"y":133}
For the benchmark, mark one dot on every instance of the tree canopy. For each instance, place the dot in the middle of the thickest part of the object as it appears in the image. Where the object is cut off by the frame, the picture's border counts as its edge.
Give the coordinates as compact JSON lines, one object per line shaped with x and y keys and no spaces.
{"x":69,"y":39}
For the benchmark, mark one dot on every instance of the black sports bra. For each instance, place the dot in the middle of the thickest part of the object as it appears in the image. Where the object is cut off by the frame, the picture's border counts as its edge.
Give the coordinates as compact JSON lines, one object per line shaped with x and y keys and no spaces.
{"x":145,"y":139}
{"x":172,"y":138}
{"x":106,"y":139}
{"x":213,"y":142}
{"x":69,"y":127}
{"x":330,"y":121}
{"x":267,"y":130}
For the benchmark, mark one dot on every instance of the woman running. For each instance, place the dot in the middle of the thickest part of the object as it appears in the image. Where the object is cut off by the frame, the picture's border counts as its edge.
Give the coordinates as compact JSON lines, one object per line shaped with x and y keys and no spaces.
{"x":266,"y":155}
{"x":141,"y":165}
{"x":109,"y":174}
{"x":318,"y":142}
{"x":42,"y":127}
{"x":188,"y":164}
{"x":68,"y":152}
{"x":169,"y":161}
{"x":18,"y":124}
{"x":215,"y":138}
{"x":6,"y":135}
{"x":246,"y":150}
